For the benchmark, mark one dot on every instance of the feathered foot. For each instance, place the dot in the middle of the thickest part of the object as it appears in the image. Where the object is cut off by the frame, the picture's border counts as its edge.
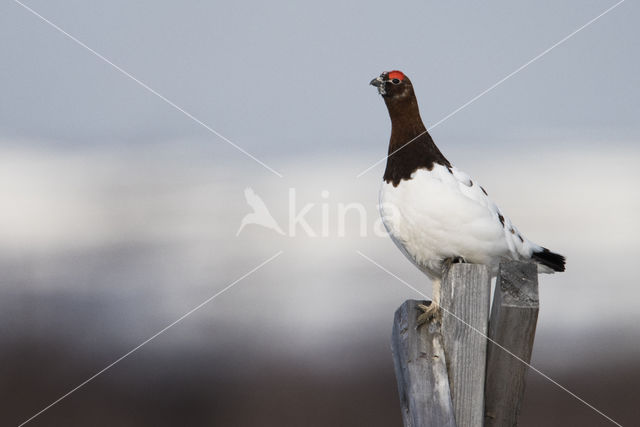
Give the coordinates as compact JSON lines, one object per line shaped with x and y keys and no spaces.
{"x":430,"y":312}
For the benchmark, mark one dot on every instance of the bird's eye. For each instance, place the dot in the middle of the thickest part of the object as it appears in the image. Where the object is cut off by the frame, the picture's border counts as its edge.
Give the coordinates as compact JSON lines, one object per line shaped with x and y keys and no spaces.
{"x":395,"y":81}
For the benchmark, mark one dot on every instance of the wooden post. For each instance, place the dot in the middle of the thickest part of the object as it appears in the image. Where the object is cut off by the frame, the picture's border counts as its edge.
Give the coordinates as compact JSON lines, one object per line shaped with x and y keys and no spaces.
{"x":513,"y":325}
{"x":421,"y":371}
{"x":465,"y":296}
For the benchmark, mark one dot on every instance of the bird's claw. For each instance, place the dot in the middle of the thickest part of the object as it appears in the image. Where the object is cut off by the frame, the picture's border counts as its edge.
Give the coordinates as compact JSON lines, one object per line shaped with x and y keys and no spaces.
{"x":430,"y":312}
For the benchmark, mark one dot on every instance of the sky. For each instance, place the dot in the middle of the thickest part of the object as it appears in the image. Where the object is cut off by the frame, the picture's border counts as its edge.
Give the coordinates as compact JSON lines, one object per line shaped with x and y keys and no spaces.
{"x":290,"y":78}
{"x":120,"y":212}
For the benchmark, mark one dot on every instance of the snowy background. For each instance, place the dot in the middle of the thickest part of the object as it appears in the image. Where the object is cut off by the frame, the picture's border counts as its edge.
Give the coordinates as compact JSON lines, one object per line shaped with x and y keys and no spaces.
{"x":119,"y":214}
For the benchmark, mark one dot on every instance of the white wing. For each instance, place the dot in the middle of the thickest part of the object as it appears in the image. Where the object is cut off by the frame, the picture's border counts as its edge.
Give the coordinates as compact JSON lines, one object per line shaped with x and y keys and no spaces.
{"x":519,"y":246}
{"x":443,"y":213}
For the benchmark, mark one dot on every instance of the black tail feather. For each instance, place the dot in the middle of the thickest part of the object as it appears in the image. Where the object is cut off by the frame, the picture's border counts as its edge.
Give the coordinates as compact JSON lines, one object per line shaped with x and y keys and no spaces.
{"x":550,"y":259}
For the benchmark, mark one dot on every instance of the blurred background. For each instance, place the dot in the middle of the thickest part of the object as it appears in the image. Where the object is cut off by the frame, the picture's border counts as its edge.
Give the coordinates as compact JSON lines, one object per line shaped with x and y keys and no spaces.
{"x":119,"y":213}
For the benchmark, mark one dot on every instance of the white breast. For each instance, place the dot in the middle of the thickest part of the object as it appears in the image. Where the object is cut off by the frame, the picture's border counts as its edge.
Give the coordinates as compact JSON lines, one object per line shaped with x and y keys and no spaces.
{"x":442,"y":214}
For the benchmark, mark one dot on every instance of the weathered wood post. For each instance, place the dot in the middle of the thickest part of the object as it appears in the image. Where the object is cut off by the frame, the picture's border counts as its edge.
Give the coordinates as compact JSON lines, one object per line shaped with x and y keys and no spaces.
{"x":421,"y":372}
{"x":440,"y":367}
{"x":465,"y":298}
{"x":513,"y":325}
{"x":449,"y":373}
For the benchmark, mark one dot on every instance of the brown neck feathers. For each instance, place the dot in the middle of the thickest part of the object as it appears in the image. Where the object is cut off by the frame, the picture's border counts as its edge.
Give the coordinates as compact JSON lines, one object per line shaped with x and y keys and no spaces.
{"x":411,"y":147}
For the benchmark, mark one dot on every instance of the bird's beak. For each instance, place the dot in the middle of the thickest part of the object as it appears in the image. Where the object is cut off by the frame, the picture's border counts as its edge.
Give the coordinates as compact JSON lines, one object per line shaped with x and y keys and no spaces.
{"x":377,"y":82}
{"x":380,"y":84}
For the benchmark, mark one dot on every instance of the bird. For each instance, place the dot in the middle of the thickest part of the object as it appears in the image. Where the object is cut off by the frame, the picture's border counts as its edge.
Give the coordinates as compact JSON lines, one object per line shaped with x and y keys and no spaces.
{"x":260,"y":215}
{"x":434,"y":212}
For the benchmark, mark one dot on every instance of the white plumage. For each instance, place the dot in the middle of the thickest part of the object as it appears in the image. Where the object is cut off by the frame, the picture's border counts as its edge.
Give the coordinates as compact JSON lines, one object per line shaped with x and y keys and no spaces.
{"x":442,"y":214}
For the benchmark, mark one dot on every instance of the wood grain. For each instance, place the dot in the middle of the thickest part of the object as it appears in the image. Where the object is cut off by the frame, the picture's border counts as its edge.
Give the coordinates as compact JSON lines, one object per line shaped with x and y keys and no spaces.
{"x":465,"y":297}
{"x":421,"y":372}
{"x":513,"y":325}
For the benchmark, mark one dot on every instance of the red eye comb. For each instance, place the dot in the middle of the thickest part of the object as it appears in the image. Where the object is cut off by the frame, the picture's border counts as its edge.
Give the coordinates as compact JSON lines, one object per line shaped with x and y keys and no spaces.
{"x":395,"y":74}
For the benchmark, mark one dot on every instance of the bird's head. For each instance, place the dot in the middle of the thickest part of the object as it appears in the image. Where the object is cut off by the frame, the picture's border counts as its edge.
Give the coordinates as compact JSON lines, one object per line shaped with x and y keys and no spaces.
{"x":393,"y":85}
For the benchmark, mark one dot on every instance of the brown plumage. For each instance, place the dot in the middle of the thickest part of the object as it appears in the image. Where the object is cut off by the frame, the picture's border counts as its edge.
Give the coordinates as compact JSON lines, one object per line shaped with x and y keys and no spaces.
{"x":406,"y":125}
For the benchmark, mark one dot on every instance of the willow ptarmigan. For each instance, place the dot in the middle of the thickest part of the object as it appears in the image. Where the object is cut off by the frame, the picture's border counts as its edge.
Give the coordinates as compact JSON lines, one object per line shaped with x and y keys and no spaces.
{"x":435,"y":213}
